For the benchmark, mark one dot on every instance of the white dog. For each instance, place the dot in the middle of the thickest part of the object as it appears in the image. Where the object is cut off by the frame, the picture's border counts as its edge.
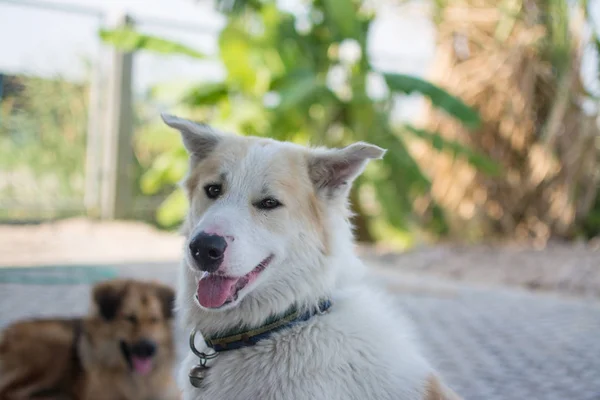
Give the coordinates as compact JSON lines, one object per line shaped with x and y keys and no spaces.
{"x":271,"y":281}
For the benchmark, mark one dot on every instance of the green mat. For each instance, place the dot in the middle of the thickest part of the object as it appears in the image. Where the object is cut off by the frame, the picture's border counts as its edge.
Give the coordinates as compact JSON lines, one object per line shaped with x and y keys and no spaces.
{"x":57,"y":275}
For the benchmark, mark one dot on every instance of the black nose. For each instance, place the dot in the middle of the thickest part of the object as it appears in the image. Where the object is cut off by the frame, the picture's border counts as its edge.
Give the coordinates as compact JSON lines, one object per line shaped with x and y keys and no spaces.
{"x":143,"y":348}
{"x":208,"y":251}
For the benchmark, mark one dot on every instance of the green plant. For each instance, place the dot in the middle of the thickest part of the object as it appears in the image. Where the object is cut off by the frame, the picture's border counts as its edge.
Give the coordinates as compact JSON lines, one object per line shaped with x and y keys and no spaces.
{"x":305,"y":78}
{"x":42,"y":147}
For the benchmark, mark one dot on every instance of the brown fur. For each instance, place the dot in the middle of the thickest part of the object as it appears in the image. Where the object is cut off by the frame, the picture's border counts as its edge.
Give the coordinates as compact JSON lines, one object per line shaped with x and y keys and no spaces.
{"x":310,"y":207}
{"x":82,"y":358}
{"x":435,"y":390}
{"x":208,"y":168}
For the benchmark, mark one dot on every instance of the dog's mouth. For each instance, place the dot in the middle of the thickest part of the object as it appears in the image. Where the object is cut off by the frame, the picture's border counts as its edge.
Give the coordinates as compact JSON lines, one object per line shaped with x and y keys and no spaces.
{"x":141,"y":365}
{"x":216,"y":290}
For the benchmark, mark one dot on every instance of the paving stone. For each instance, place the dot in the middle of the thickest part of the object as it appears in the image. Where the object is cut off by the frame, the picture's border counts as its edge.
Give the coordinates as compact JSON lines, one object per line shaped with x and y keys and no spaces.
{"x":489,"y":343}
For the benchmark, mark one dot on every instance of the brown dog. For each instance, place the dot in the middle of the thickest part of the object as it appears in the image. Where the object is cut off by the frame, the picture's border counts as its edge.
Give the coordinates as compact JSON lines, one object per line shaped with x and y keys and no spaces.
{"x":123,"y":350}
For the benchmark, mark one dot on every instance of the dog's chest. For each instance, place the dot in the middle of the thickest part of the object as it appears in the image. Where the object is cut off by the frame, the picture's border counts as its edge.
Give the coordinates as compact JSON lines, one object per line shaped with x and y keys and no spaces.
{"x":351,"y":352}
{"x":251,"y":377}
{"x":294,"y":369}
{"x":272,"y":369}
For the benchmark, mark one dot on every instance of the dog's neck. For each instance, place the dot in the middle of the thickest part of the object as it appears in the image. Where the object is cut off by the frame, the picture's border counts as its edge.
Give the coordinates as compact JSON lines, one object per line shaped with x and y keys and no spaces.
{"x":246,"y":336}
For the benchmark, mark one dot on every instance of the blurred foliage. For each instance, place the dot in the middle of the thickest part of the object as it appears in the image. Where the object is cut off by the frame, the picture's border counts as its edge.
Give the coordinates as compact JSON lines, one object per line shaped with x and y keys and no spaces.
{"x":42,"y":145}
{"x":440,"y":143}
{"x":520,"y":64}
{"x":129,"y":40}
{"x":306,"y":78}
{"x":439,"y":97}
{"x":590,"y":227}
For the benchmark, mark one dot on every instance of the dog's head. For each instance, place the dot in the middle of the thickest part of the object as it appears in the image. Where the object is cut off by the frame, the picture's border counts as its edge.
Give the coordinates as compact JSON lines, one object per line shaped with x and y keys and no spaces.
{"x":130,"y":326}
{"x":262,"y":213}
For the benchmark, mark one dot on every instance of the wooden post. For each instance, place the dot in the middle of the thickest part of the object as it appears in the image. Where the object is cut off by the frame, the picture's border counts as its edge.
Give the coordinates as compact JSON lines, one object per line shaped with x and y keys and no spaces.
{"x":93,"y":156}
{"x":117,"y":160}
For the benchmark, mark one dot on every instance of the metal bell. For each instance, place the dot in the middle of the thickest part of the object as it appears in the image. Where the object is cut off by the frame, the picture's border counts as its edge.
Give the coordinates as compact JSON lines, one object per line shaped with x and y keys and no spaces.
{"x":197,"y":375}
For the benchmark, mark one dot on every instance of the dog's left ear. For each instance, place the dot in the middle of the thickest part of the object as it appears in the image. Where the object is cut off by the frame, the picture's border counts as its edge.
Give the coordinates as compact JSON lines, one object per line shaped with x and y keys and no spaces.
{"x":166,"y":295}
{"x":107,"y":297}
{"x":332,"y":171}
{"x":198,"y":139}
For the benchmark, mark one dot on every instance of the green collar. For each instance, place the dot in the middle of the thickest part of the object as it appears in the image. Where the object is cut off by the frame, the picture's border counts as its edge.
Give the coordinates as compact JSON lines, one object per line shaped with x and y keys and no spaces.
{"x":238,"y":338}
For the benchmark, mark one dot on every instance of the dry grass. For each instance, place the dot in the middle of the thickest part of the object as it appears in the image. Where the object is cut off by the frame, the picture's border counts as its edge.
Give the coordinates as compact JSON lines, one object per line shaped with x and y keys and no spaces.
{"x":497,"y":59}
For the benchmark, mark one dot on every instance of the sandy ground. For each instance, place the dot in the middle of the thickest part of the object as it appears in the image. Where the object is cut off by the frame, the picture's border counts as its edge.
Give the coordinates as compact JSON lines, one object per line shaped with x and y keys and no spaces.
{"x":572,"y":269}
{"x":83,"y":241}
{"x":567,"y":268}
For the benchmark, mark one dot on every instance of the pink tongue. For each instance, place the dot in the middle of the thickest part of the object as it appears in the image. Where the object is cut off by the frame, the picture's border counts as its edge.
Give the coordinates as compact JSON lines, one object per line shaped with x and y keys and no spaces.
{"x":213,"y":291}
{"x":142,"y":365}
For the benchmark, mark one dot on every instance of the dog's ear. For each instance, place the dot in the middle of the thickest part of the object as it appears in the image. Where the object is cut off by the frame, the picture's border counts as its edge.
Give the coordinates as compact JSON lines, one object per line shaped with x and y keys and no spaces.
{"x":166,"y":295}
{"x":198,"y":139}
{"x":107,"y":297}
{"x":332,"y":171}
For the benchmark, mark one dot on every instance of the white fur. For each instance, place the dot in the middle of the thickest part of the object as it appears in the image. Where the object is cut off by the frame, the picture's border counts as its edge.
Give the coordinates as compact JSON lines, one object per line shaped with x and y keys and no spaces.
{"x":362,"y":348}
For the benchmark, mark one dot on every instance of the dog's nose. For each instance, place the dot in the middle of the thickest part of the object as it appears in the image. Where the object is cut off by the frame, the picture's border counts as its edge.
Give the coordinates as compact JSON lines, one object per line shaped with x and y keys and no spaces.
{"x":143,"y":348}
{"x":208,"y":251}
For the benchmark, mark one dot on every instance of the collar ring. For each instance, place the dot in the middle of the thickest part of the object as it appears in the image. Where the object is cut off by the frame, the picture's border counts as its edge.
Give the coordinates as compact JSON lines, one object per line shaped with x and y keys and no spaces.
{"x":204,"y":357}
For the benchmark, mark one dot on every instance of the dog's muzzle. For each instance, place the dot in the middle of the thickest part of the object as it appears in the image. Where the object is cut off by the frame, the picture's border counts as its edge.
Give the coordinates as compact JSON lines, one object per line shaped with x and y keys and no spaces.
{"x":139,"y":355}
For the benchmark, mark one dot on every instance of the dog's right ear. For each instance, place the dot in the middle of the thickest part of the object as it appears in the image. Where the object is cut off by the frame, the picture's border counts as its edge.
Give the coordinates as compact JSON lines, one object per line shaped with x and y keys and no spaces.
{"x":107,"y":297}
{"x":332,"y":171}
{"x":198,"y":139}
{"x":166,"y":295}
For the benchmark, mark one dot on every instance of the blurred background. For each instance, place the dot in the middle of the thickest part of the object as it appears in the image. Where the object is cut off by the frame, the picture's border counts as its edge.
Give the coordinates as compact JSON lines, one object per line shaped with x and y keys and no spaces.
{"x":489,"y":110}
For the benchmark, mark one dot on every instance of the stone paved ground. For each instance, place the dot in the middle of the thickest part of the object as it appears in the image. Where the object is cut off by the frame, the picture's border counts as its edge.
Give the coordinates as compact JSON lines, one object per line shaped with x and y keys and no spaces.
{"x":489,"y":342}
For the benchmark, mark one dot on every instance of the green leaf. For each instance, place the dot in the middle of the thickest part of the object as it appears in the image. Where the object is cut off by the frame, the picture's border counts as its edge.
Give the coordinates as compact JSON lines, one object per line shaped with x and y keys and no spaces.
{"x":172,"y":210}
{"x":235,"y":7}
{"x":438,"y":96}
{"x":401,"y":180}
{"x":238,"y":56}
{"x":126,"y":39}
{"x":299,"y":91}
{"x":395,"y":208}
{"x":206,"y":94}
{"x":403,"y":167}
{"x":167,"y":169}
{"x":290,"y":77}
{"x":559,"y":43}
{"x":341,"y":15}
{"x":438,"y":142}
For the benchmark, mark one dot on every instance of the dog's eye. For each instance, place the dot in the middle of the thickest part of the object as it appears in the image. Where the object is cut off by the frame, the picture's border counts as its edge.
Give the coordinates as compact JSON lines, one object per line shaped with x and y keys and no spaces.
{"x":131,"y":318}
{"x":212,"y":191}
{"x":268,"y":204}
